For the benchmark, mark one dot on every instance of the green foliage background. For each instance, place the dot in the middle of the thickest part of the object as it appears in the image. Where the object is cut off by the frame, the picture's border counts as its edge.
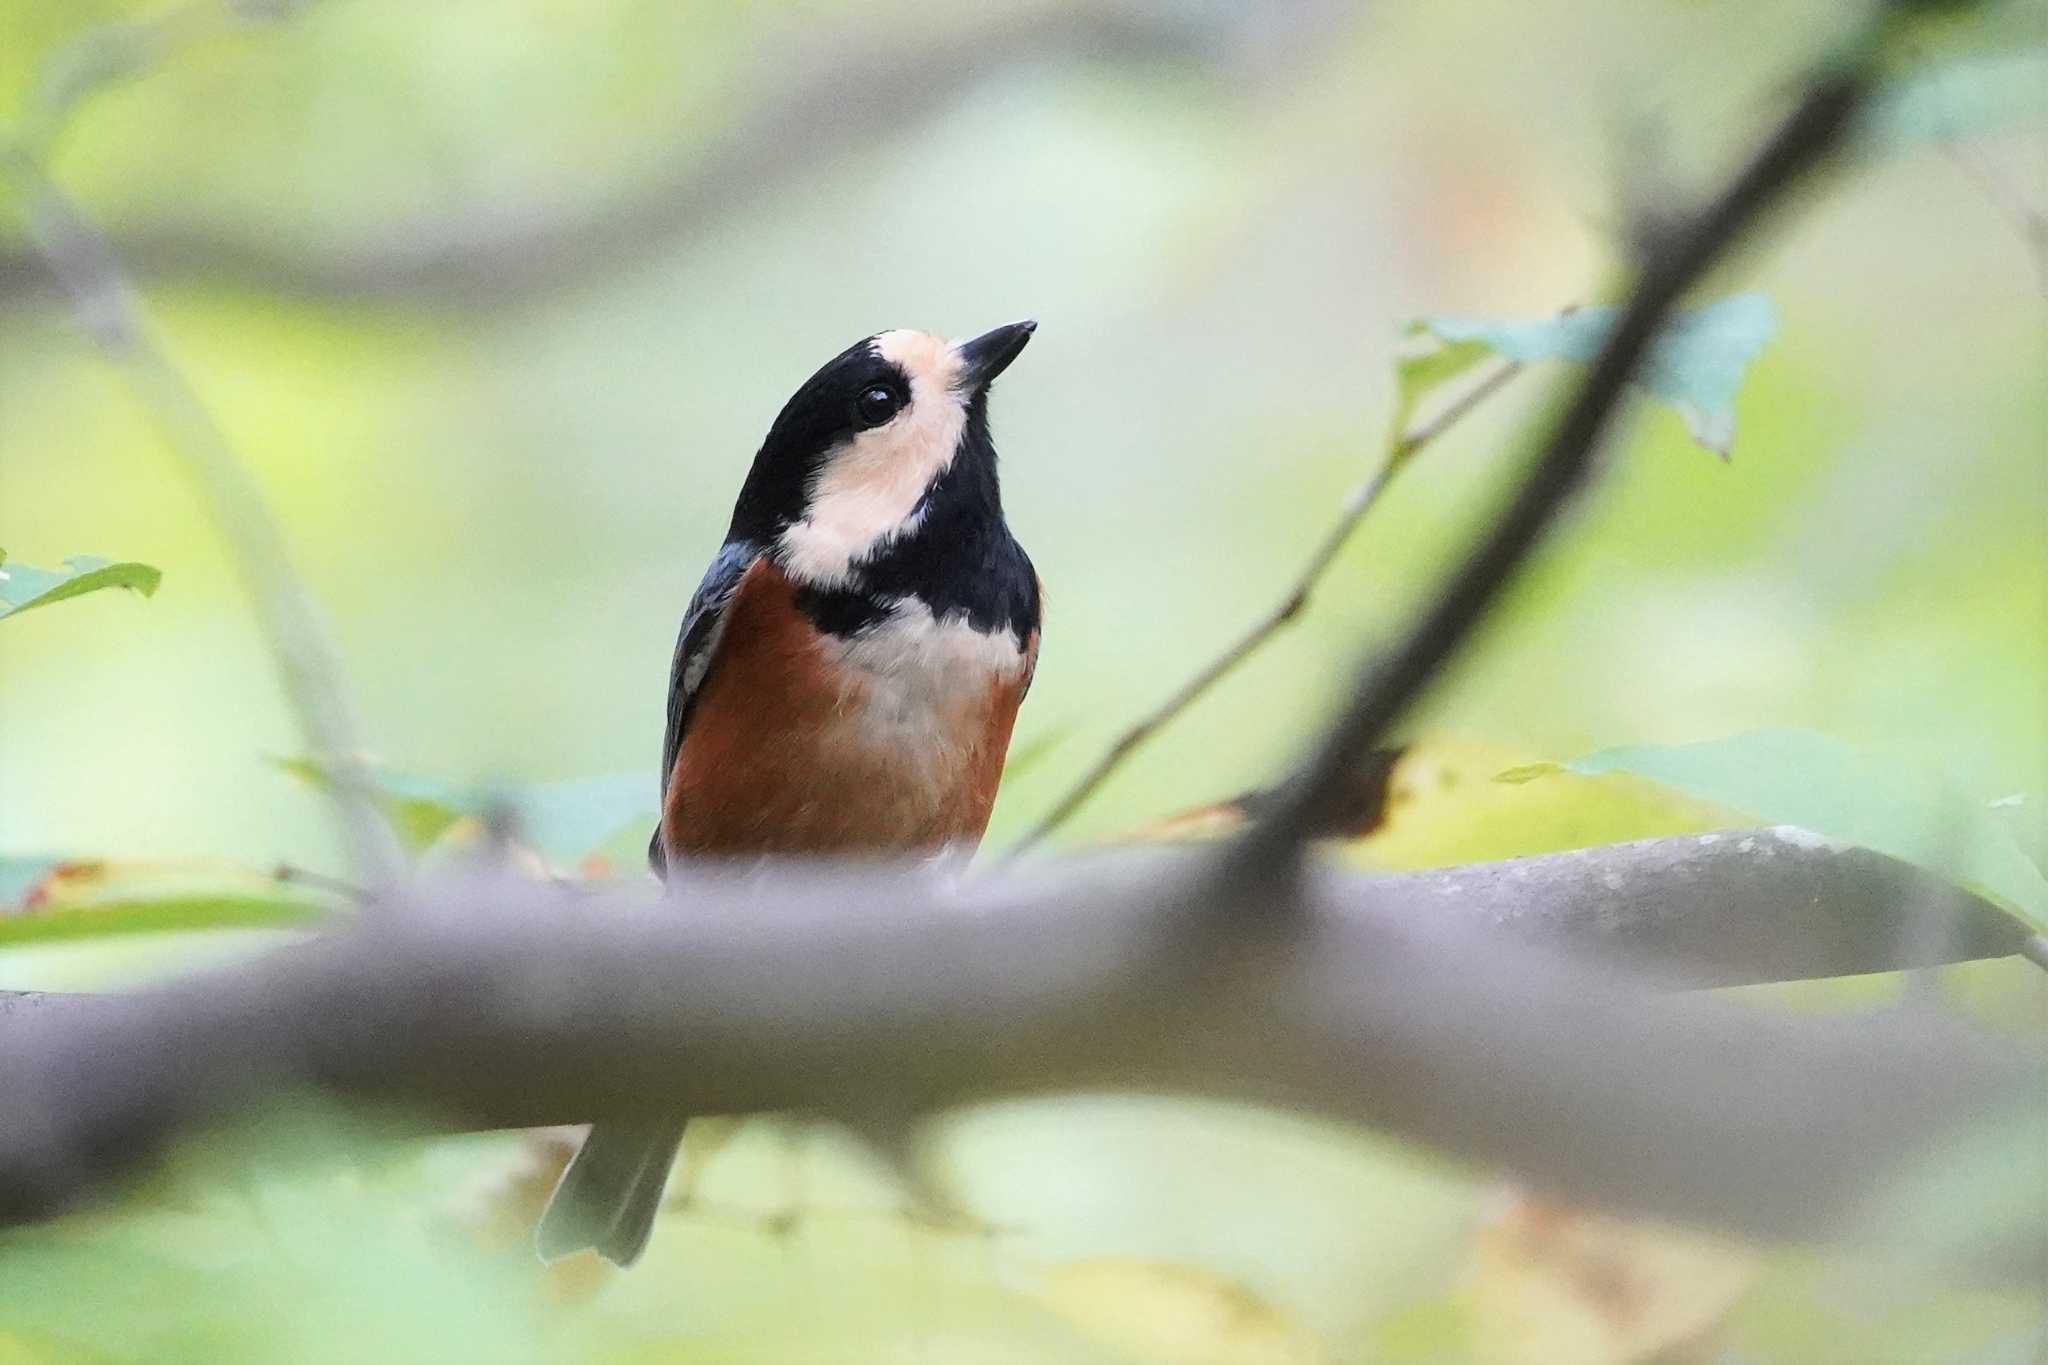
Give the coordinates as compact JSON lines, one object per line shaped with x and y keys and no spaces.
{"x":503,"y":506}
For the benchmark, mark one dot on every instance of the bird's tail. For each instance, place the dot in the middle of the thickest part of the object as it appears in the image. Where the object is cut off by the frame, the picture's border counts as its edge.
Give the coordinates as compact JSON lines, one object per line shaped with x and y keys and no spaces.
{"x":608,"y":1196}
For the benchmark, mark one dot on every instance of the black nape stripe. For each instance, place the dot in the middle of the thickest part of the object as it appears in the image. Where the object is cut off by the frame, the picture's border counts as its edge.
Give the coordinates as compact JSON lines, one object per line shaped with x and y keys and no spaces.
{"x":817,"y":417}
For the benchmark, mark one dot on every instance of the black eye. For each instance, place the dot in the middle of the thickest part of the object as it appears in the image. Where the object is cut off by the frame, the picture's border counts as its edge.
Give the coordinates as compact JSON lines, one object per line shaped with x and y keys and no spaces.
{"x":877,"y":404}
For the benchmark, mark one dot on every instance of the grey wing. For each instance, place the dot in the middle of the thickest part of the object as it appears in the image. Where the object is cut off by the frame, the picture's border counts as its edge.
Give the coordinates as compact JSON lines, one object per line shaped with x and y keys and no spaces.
{"x":696,"y":646}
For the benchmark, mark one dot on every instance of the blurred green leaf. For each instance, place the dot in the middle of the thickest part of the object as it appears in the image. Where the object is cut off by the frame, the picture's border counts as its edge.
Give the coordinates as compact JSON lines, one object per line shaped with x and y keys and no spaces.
{"x":1426,"y":1332}
{"x":1980,"y":1200}
{"x":278,"y":1241}
{"x":23,"y":586}
{"x":1812,"y":1309}
{"x":1307,"y":1217}
{"x":1156,"y":1310}
{"x":2027,"y":1346}
{"x":47,"y":899}
{"x":151,"y":916}
{"x":1696,"y":366}
{"x":563,"y":820}
{"x":1549,"y":1280}
{"x":1425,"y":362}
{"x":1820,"y":784}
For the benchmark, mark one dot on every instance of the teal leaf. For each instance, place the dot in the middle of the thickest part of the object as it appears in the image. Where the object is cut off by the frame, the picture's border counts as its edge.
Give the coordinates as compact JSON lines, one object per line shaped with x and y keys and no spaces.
{"x":568,"y":819}
{"x":1820,"y":784}
{"x":19,"y":875}
{"x":563,"y":820}
{"x":1969,"y":96}
{"x":1697,"y":365}
{"x":23,"y":586}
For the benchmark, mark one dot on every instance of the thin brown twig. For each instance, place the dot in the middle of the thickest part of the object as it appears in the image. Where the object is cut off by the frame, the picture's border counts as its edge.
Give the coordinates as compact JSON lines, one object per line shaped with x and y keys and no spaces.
{"x":1360,"y":501}
{"x":2030,"y":221}
{"x":291,"y":874}
{"x":2006,"y":198}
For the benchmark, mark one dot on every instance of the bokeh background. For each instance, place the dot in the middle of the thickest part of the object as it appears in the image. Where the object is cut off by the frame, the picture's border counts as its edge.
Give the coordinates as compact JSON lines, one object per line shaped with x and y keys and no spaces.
{"x":498,"y":299}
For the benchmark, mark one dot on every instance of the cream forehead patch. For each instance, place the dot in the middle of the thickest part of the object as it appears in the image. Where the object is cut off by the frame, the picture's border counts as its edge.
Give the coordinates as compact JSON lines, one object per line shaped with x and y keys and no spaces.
{"x":868,"y":490}
{"x":921,"y":356}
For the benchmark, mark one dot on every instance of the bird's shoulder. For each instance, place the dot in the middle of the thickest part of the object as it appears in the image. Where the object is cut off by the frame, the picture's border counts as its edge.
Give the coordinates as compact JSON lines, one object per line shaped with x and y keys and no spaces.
{"x":697,"y":643}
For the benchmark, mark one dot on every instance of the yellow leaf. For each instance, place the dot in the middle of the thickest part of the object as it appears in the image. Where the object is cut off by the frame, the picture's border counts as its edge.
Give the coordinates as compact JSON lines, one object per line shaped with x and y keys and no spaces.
{"x":1443,"y":801}
{"x":1192,"y":826}
{"x":15,"y":1351}
{"x":68,"y":883}
{"x":1166,"y":1313}
{"x":1552,"y":1284}
{"x":1447,"y":803}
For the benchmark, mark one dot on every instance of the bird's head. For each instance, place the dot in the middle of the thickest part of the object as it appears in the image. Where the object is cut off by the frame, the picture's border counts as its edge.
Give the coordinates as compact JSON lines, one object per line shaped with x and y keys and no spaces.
{"x":862,"y":453}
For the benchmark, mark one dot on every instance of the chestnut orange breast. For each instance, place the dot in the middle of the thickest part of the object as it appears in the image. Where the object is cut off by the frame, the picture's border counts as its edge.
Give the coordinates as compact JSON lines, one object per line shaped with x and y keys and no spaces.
{"x":890,"y":739}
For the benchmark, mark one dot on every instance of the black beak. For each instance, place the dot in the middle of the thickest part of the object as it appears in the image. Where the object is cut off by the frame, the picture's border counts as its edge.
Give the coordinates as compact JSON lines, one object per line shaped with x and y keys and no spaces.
{"x":989,"y":354}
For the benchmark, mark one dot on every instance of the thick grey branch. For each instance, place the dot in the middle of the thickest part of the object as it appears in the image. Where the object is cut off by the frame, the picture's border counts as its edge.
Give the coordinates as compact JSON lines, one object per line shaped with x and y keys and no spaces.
{"x":1733,"y":908}
{"x":510,"y":1004}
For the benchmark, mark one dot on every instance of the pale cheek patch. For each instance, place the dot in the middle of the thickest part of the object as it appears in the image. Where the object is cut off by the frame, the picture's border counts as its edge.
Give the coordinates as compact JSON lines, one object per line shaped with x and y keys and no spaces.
{"x":868,"y":492}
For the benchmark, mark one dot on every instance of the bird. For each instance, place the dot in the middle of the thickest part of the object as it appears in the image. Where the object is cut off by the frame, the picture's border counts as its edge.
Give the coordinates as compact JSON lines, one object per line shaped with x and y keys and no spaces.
{"x":847,"y":674}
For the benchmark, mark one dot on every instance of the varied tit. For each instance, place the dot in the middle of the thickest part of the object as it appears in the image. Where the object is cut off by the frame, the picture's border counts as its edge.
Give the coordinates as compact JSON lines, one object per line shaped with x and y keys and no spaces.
{"x":847,"y":674}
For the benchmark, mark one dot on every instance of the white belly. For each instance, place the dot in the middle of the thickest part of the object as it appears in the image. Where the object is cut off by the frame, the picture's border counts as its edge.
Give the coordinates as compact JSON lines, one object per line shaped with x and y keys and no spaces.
{"x":913,"y":679}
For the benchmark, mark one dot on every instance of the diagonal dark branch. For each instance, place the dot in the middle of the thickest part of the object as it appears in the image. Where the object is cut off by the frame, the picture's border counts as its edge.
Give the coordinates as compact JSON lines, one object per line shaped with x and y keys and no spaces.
{"x":503,"y":1003}
{"x":1387,"y":688}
